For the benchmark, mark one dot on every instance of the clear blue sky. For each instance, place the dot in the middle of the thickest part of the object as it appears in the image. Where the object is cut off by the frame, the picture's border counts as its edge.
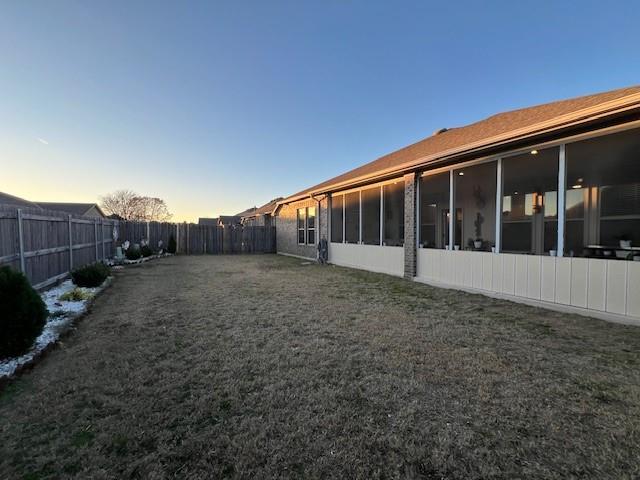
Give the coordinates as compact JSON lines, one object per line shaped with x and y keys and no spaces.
{"x":218,"y":106}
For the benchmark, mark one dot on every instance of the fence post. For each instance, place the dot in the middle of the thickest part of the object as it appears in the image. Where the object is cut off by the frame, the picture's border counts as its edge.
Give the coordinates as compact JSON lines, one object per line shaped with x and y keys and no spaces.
{"x":177,"y":238}
{"x":102,"y":238}
{"x":187,"y":239}
{"x":21,"y":241}
{"x":95,"y":232}
{"x":70,"y":245}
{"x":148,"y":235}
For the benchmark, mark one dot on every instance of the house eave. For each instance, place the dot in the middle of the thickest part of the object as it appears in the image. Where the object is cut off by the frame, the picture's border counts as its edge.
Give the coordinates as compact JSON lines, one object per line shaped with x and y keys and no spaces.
{"x":602,"y":111}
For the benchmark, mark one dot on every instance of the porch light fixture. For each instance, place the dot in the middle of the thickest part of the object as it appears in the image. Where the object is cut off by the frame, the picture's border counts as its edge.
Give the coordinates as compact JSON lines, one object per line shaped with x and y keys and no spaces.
{"x":461,"y":173}
{"x":534,"y":152}
{"x":578,"y":183}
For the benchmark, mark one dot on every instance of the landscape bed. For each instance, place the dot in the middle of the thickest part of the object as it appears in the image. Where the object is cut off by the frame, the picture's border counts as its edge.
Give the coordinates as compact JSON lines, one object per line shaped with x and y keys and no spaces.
{"x":271,"y":367}
{"x":63,"y":313}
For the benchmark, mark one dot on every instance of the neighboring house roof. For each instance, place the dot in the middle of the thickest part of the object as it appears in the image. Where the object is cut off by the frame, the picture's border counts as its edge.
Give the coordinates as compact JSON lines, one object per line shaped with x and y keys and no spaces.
{"x":247,"y":213}
{"x":265,"y":209}
{"x":73,"y":208}
{"x":228,"y":220}
{"x":208,"y":221}
{"x":498,"y":130}
{"x":6,"y":199}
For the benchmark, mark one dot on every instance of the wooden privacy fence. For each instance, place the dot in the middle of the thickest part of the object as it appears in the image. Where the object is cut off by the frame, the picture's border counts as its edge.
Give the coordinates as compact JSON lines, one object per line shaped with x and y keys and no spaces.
{"x":46,"y":245}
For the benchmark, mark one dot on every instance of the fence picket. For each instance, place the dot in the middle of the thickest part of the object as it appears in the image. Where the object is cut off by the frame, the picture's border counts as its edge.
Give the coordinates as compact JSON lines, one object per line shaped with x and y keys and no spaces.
{"x":46,"y":245}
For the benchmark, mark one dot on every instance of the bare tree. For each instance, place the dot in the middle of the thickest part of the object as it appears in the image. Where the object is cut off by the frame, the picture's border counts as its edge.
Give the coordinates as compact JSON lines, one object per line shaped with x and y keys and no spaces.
{"x":153,"y":209}
{"x":122,"y":203}
{"x":130,"y":206}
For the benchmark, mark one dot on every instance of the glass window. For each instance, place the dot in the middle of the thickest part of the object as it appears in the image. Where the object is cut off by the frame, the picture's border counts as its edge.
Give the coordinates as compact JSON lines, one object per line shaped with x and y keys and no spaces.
{"x":337,"y":202}
{"x":352,"y":217}
{"x":603,"y":196}
{"x":530,"y":202}
{"x":371,"y":216}
{"x":574,"y":239}
{"x":301,"y":225}
{"x":475,"y":202}
{"x":434,"y":210}
{"x":311,"y":225}
{"x":394,"y":213}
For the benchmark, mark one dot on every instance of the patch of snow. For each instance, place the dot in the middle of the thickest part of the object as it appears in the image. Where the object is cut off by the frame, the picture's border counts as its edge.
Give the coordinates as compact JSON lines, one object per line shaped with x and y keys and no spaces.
{"x":61,"y":317}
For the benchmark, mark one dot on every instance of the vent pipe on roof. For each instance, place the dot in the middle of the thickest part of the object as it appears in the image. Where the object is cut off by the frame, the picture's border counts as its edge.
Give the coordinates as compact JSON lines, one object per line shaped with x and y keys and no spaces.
{"x":441,"y":130}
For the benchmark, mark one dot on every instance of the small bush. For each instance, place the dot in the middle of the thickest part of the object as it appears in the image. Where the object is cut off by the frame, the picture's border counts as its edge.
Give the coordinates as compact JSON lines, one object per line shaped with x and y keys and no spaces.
{"x":172,"y":247}
{"x":75,"y":295}
{"x":132,"y":253}
{"x":22,"y":313}
{"x":146,"y":251}
{"x":90,"y":275}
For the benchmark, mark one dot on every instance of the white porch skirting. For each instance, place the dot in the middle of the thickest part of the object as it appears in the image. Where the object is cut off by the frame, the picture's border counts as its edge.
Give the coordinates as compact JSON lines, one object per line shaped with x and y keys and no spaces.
{"x":368,"y":257}
{"x":604,"y":288}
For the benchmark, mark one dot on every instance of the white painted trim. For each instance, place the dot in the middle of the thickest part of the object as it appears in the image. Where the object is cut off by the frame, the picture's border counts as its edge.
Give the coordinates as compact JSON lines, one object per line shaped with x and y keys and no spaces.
{"x":306,"y":226}
{"x":304,"y":209}
{"x":374,"y":258}
{"x":601,"y":288}
{"x":329,"y":215}
{"x":610,"y":317}
{"x":360,"y":215}
{"x":381,"y":215}
{"x":535,"y":146}
{"x":562,"y":192}
{"x":426,"y":162}
{"x":452,"y":210}
{"x":371,"y":185}
{"x":418,"y":220}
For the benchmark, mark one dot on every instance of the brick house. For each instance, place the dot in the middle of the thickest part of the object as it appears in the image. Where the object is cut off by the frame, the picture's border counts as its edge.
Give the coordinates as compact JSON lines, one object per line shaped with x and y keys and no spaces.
{"x":260,"y":216}
{"x":540,"y":205}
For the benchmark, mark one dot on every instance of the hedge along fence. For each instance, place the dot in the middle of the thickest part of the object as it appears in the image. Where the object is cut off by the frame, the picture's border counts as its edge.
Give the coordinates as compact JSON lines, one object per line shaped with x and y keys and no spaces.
{"x":46,"y":245}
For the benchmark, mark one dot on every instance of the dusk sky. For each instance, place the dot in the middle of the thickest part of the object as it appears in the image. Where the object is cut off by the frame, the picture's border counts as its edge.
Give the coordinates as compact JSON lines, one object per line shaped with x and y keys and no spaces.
{"x":219,"y":106}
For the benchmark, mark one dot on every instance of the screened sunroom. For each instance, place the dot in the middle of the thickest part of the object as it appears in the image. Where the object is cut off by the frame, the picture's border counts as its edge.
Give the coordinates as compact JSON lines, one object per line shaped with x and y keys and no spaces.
{"x":557,"y":222}
{"x":598,"y":178}
{"x":367,"y":227}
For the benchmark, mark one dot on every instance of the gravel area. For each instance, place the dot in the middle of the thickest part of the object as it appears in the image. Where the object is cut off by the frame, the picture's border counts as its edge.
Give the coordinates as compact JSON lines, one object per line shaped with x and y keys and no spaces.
{"x":266,"y":367}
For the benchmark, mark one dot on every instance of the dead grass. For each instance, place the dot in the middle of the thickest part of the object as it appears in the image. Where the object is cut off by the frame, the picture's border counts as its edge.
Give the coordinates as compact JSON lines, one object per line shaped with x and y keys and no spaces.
{"x":260,"y":367}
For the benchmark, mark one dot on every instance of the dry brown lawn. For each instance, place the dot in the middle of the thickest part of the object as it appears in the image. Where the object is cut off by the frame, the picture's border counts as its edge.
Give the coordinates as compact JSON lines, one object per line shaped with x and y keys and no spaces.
{"x":263,"y":367}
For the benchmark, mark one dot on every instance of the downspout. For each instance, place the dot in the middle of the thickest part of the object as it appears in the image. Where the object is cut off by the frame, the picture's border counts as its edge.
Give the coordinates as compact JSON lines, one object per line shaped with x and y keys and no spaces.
{"x":319,"y":228}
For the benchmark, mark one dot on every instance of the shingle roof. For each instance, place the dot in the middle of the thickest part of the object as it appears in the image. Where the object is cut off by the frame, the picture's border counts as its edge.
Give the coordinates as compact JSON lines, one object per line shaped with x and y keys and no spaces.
{"x":6,"y":199}
{"x":207,"y":221}
{"x":503,"y":125}
{"x":73,"y":208}
{"x":264,"y":209}
{"x":247,"y":213}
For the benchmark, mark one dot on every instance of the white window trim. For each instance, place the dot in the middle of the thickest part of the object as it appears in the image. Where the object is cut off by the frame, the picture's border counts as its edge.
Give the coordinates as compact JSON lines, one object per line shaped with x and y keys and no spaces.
{"x":499,"y":188}
{"x":306,"y":225}
{"x":562,"y":192}
{"x":304,"y":228}
{"x":369,"y":186}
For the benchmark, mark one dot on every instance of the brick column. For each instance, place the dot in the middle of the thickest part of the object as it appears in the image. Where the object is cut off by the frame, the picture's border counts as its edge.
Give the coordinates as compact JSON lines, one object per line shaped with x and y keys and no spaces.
{"x":323,"y":216}
{"x":410,"y":225}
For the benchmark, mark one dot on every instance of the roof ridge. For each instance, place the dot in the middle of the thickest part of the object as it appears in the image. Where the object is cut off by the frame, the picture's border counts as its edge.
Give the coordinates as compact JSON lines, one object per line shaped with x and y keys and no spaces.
{"x":494,"y":127}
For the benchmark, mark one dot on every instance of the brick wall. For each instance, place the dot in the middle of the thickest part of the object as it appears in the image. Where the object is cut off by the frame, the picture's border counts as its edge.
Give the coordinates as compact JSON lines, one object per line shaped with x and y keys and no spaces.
{"x":287,"y":228}
{"x":410,"y":225}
